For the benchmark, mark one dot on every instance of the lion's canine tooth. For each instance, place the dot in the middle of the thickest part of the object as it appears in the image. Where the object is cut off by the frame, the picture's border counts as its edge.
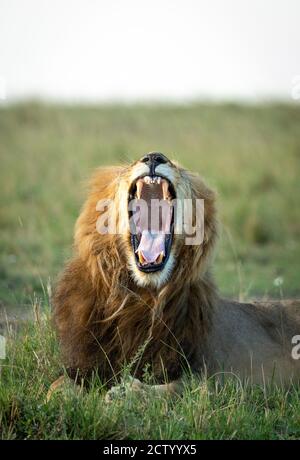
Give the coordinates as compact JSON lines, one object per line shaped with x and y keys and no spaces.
{"x":141,"y":258}
{"x":160,"y":258}
{"x":165,"y":188}
{"x":158,"y":180}
{"x":139,"y":187}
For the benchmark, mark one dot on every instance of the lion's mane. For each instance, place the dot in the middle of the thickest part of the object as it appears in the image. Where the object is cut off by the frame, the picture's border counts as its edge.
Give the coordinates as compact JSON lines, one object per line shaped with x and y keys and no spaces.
{"x":105,"y":320}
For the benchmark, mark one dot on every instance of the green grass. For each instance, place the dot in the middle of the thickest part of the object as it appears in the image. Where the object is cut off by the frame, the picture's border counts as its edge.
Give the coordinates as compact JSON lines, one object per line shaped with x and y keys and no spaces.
{"x":249,"y":154}
{"x":205,"y":411}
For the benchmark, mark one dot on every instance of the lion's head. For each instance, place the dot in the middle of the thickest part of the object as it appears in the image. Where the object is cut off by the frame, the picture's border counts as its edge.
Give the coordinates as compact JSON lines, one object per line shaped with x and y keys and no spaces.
{"x":155,"y":239}
{"x":140,"y":273}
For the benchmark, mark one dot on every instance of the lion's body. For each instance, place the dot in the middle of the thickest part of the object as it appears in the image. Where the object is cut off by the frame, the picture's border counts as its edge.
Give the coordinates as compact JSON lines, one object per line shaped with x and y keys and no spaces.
{"x":254,"y":341}
{"x":108,"y":313}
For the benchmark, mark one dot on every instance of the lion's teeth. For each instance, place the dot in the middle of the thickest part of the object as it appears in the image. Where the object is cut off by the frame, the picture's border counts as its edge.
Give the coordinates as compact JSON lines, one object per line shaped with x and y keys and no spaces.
{"x":152,"y":180}
{"x":160,"y":181}
{"x":160,"y":258}
{"x":139,"y":187}
{"x":165,"y":188}
{"x":141,"y":258}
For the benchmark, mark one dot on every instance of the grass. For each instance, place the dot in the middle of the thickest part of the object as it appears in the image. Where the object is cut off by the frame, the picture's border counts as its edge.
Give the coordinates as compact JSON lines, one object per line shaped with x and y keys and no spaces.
{"x":207,"y":410}
{"x":250,"y":154}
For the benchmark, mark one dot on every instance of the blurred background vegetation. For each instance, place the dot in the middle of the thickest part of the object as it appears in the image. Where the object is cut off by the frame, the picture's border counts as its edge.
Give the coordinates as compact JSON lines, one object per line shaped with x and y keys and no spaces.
{"x":249,"y":154}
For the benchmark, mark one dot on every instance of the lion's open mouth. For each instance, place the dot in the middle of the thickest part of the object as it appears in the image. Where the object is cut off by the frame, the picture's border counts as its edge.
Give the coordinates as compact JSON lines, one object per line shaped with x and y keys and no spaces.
{"x":151,"y":216}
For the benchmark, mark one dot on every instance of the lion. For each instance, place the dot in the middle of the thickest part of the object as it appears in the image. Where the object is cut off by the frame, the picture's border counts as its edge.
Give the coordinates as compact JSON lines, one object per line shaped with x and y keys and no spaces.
{"x":144,"y":297}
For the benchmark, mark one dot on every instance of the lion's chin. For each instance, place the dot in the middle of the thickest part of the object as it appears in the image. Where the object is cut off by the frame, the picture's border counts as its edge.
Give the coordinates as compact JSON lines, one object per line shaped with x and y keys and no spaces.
{"x":155,"y":279}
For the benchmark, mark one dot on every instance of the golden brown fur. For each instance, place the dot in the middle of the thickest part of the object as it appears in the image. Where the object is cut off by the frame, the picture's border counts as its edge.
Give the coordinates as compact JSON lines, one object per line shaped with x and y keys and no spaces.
{"x":106,"y":319}
{"x":103,"y":318}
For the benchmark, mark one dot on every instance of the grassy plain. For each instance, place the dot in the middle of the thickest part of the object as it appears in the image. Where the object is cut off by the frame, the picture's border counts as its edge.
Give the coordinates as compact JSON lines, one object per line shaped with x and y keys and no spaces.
{"x":249,"y":154}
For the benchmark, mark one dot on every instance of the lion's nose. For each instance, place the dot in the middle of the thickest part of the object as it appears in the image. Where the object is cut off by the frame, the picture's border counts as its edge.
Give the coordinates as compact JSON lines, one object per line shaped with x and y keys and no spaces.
{"x":154,"y":159}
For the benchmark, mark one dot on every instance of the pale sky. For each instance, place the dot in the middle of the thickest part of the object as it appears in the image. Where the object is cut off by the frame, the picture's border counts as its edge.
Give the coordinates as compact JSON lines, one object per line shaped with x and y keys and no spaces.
{"x":130,"y":50}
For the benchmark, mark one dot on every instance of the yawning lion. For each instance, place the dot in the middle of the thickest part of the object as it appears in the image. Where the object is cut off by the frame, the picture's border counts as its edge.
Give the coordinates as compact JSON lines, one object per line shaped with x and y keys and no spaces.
{"x":144,"y":297}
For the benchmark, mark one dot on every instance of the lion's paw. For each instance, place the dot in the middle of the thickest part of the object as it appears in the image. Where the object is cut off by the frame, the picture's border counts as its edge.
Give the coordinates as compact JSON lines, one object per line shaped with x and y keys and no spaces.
{"x":125,"y":389}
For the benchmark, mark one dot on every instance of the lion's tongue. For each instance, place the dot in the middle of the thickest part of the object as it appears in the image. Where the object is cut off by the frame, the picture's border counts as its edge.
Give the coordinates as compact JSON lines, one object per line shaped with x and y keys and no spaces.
{"x":151,"y":246}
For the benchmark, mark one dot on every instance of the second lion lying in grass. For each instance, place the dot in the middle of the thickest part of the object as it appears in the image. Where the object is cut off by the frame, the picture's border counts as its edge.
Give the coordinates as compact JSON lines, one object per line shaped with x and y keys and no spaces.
{"x":140,"y":291}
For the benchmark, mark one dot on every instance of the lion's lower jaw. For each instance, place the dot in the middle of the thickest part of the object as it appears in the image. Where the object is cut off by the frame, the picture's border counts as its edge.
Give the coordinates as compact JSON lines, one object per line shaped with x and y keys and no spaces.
{"x":157,"y":279}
